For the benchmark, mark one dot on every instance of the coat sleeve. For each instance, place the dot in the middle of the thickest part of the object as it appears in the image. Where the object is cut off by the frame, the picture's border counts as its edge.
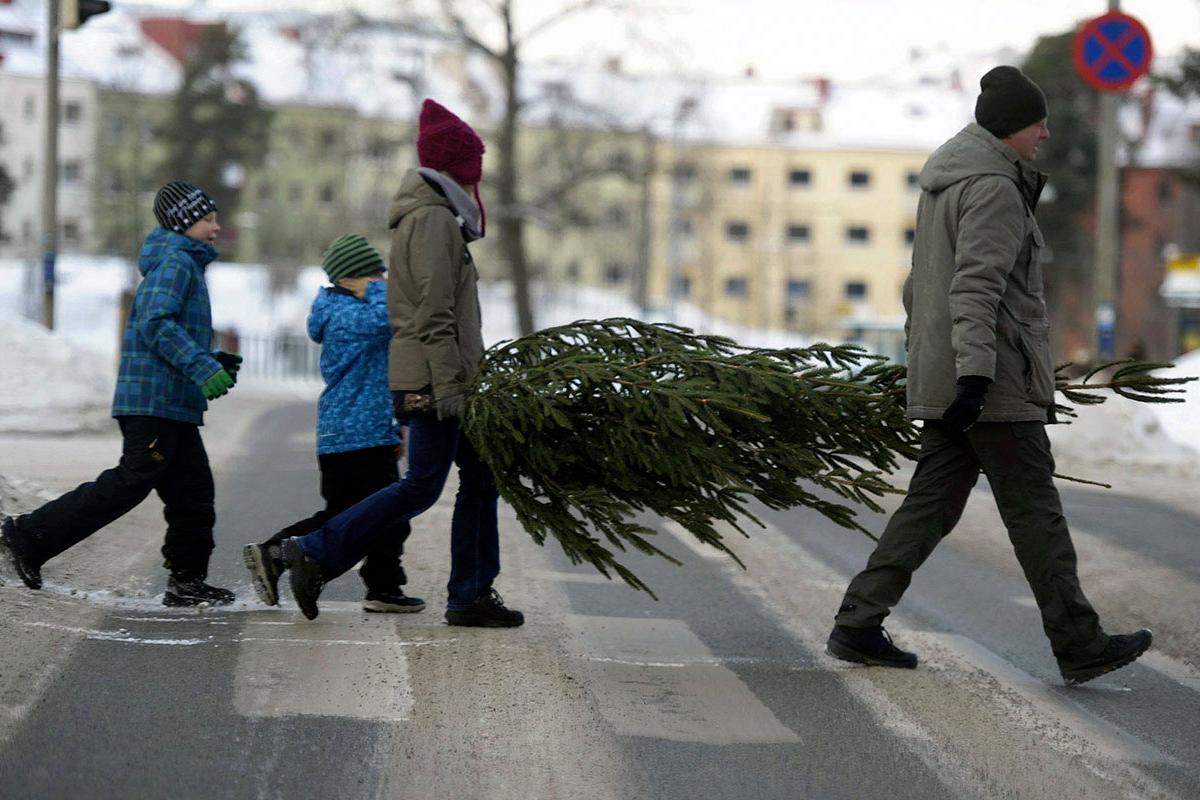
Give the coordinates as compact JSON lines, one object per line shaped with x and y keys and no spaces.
{"x":991,"y":226}
{"x":434,"y":257}
{"x":164,"y":293}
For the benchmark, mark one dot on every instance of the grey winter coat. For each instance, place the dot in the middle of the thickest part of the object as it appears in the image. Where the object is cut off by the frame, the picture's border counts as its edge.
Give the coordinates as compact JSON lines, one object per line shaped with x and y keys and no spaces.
{"x":433,"y":296}
{"x":974,"y":295}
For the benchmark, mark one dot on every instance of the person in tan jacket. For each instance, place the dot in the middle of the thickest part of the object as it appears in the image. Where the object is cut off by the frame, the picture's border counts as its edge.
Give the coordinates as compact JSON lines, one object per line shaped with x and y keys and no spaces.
{"x":981,"y":379}
{"x":435,"y":350}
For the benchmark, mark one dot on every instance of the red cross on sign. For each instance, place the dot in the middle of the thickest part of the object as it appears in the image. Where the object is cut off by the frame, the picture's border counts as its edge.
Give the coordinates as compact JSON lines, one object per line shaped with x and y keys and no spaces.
{"x":1113,"y":51}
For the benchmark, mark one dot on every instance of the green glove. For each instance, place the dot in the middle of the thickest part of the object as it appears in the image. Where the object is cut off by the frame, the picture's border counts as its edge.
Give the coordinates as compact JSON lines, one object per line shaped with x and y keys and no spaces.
{"x":217,"y":386}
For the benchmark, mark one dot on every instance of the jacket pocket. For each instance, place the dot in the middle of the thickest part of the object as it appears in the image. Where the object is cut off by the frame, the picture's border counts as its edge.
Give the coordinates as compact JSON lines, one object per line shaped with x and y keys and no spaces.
{"x":1033,"y":275}
{"x":1039,"y":363}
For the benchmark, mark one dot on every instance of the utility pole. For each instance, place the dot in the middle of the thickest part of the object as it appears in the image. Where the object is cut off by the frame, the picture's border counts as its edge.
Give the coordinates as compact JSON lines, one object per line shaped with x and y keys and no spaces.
{"x":50,"y":164}
{"x":1108,"y":221}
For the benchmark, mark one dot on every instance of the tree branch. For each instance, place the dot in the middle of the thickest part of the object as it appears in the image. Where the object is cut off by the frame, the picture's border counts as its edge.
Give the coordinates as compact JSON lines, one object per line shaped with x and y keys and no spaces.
{"x":463,"y":32}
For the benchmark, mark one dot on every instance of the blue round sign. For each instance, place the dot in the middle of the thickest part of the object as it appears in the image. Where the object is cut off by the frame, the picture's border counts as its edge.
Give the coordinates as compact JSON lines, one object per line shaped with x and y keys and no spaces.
{"x":1113,"y":51}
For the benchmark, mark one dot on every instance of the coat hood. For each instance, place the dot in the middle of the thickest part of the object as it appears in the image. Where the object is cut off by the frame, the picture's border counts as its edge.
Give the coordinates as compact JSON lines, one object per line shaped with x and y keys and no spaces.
{"x":427,"y":187}
{"x":161,"y":241}
{"x":974,"y":152}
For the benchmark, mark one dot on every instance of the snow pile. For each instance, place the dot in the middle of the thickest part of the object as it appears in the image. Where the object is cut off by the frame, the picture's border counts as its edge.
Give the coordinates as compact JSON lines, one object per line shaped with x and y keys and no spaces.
{"x":1181,"y":421}
{"x":55,"y":387}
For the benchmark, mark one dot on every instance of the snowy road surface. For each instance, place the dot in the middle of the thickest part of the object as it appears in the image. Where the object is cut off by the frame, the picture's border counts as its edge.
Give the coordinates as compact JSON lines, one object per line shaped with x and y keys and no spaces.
{"x":719,"y":690}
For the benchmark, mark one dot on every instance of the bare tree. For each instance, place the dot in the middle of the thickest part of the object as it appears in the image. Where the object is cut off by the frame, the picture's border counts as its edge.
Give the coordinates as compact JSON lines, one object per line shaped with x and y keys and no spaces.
{"x":505,"y":54}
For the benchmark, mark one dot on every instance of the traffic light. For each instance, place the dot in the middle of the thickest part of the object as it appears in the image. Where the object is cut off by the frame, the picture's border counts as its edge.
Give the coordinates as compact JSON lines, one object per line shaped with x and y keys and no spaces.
{"x":77,"y":12}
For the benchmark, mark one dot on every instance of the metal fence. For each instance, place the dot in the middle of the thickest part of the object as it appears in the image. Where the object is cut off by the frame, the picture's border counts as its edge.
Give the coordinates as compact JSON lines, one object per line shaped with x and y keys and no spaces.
{"x":280,"y":357}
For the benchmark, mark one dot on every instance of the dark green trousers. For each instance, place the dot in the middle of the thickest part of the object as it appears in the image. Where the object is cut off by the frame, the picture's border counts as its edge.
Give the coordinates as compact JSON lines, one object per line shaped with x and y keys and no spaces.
{"x":1016,"y":458}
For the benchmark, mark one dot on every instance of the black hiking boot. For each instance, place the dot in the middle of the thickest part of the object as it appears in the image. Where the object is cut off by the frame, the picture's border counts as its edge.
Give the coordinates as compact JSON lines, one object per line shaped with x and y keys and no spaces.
{"x":265,"y":562}
{"x":305,"y":577}
{"x":392,"y":602}
{"x":1122,"y":650}
{"x":488,"y":611}
{"x":10,"y":545}
{"x":185,"y":589}
{"x":871,"y":646}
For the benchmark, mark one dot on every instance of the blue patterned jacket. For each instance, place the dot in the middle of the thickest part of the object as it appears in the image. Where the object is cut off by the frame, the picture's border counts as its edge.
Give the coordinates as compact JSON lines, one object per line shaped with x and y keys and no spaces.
{"x":355,"y":409}
{"x":165,"y":353}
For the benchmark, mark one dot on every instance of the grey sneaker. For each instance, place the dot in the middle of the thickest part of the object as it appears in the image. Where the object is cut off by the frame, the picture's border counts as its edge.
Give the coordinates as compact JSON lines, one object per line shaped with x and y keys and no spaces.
{"x":871,"y":646}
{"x":10,"y":547}
{"x":1122,"y":650}
{"x":305,"y":577}
{"x":393,"y":602}
{"x":265,"y":562}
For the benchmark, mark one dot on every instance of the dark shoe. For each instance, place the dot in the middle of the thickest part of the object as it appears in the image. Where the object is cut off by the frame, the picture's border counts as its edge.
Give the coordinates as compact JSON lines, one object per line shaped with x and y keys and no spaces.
{"x":191,"y":590}
{"x":393,"y":602}
{"x":1121,"y":650}
{"x":487,"y":612}
{"x":10,"y":544}
{"x":305,"y":577}
{"x":868,"y":646}
{"x":265,"y":562}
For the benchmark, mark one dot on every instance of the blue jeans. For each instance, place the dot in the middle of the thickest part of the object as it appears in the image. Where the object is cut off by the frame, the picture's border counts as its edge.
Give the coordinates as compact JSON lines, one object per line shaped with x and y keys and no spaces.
{"x":433,"y":445}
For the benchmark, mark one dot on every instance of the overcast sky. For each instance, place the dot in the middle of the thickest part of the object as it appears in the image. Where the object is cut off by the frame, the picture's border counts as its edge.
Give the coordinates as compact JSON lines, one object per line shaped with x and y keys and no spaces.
{"x":846,"y":39}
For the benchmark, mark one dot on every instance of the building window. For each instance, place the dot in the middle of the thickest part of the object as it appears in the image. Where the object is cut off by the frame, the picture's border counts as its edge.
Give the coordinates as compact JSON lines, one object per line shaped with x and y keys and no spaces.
{"x":858,"y":234}
{"x":266,"y":193}
{"x":116,"y":184}
{"x":683,"y":228}
{"x":328,"y":194}
{"x":116,"y":126}
{"x":683,"y":286}
{"x":859,"y":179}
{"x":616,"y":217}
{"x":800,"y":178}
{"x":72,"y":172}
{"x":573,"y":270}
{"x":737,"y":232}
{"x":798,"y":234}
{"x":295,"y":193}
{"x":799,"y":289}
{"x":684,"y":173}
{"x":329,"y":139}
{"x":72,"y":113}
{"x":70,"y":232}
{"x":856,"y":290}
{"x":30,"y":107}
{"x":736,"y":287}
{"x":615,"y":273}
{"x":740,"y":176}
{"x":912,"y":180}
{"x":910,"y":236}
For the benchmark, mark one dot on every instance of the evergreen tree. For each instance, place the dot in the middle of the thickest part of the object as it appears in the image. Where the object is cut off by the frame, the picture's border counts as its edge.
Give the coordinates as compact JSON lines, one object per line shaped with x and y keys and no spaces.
{"x":588,"y":425}
{"x":217,"y":129}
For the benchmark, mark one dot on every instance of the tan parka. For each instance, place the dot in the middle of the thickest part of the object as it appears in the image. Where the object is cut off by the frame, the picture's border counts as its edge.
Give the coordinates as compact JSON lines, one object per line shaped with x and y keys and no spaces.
{"x":433,"y":295}
{"x":974,"y":295}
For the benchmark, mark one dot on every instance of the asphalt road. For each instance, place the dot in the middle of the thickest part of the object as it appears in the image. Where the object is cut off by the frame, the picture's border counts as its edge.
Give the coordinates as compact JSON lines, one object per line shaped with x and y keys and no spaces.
{"x":720,"y":689}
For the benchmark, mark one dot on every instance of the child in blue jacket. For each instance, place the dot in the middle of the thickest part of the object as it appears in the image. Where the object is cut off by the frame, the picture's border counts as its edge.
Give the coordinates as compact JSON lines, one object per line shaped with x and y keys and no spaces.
{"x":356,"y":435}
{"x":166,"y":377}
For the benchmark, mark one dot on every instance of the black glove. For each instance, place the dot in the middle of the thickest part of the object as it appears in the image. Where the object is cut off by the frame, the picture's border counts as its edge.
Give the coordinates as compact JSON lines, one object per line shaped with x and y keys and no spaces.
{"x":968,"y":402}
{"x":230,"y":362}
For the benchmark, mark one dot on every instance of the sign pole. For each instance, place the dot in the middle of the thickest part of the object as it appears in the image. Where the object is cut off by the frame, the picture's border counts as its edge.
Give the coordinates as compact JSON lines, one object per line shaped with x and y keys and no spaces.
{"x":50,"y":165}
{"x":1108,"y":221}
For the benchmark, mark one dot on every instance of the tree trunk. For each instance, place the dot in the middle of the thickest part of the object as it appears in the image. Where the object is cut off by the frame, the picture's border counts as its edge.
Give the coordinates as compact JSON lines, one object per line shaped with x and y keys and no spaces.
{"x":511,"y":223}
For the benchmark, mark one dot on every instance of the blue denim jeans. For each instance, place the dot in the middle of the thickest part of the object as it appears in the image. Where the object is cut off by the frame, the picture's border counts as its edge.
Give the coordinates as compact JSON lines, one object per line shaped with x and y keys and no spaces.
{"x":433,"y":445}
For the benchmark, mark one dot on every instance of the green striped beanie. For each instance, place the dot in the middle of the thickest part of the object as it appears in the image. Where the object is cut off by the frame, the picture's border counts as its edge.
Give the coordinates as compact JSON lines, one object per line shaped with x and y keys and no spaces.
{"x":349,"y":256}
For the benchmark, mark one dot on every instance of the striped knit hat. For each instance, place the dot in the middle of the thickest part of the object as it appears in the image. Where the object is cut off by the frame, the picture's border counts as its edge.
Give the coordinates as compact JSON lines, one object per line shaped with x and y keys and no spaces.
{"x":179,"y":205}
{"x":349,"y":256}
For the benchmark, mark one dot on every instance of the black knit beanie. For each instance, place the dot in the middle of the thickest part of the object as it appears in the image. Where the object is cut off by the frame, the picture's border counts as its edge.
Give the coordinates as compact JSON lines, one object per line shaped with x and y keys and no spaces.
{"x":1009,"y":102}
{"x":179,"y":205}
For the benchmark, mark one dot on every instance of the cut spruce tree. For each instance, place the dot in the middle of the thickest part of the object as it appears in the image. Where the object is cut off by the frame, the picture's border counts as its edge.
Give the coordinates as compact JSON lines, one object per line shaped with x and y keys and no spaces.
{"x":592,"y":425}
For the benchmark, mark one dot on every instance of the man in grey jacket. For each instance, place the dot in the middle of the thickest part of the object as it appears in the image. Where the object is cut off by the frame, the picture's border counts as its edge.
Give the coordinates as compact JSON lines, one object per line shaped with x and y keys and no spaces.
{"x":981,"y":378}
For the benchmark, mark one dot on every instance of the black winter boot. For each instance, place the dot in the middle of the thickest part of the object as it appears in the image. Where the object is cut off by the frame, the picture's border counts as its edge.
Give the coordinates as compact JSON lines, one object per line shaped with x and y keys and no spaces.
{"x":1122,"y":649}
{"x":871,"y":646}
{"x":305,"y":576}
{"x":11,"y":548}
{"x":394,"y":601}
{"x":488,"y":611}
{"x":265,"y":562}
{"x":189,"y":589}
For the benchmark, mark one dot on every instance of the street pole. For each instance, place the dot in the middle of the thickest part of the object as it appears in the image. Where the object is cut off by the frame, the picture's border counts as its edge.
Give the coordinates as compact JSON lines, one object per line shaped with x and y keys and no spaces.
{"x":50,"y":165}
{"x":1108,"y":223}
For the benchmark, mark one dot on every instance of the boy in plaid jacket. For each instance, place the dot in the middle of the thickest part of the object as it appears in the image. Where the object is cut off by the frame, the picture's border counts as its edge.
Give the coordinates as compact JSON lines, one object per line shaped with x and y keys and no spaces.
{"x":166,"y":377}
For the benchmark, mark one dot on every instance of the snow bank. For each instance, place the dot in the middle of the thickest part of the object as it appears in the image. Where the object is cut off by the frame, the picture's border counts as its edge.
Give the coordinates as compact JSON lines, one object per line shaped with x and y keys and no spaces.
{"x":53,"y":386}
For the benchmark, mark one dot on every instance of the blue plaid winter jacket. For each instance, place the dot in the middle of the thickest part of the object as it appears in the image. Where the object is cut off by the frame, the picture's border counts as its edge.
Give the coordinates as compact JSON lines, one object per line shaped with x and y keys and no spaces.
{"x":165,"y":353}
{"x":355,"y":409}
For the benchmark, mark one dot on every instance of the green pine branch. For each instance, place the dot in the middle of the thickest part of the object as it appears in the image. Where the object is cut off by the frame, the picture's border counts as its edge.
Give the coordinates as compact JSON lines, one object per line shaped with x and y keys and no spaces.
{"x":589,"y":425}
